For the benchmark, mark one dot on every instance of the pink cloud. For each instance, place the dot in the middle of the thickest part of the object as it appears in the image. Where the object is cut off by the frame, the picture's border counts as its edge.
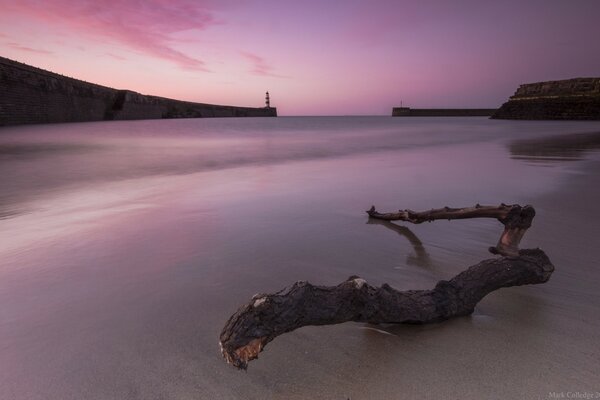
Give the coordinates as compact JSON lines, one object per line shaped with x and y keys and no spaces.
{"x":116,"y":57}
{"x":143,"y":25}
{"x":17,"y":46}
{"x":260,"y":66}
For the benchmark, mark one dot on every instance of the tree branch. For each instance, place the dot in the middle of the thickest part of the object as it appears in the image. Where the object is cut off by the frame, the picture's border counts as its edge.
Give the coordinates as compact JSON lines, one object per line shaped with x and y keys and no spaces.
{"x":267,"y":316}
{"x":516,"y":221}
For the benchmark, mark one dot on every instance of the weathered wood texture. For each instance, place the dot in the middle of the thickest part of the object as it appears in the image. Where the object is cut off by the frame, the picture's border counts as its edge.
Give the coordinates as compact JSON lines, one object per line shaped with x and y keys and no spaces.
{"x":267,"y":316}
{"x":516,"y":221}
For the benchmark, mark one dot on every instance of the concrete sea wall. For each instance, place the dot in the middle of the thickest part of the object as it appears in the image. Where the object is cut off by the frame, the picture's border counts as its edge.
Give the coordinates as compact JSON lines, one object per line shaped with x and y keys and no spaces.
{"x":571,"y":99}
{"x":442,"y":112}
{"x":30,"y":95}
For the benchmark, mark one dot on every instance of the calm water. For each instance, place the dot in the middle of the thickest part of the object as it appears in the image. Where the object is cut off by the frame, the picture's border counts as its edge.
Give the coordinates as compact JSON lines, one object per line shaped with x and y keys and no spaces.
{"x":126,"y":246}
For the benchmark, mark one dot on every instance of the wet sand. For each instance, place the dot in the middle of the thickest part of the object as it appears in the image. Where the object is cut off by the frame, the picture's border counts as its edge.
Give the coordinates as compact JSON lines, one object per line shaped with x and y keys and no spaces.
{"x":124,"y":297}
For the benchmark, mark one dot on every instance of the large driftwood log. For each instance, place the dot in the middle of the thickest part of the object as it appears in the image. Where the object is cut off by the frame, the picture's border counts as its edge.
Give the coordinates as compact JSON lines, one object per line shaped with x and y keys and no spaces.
{"x":267,"y":316}
{"x":516,"y":221}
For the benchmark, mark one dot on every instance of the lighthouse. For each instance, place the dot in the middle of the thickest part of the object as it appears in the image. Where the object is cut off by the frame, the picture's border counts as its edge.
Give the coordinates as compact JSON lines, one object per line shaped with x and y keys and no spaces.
{"x":267,"y":100}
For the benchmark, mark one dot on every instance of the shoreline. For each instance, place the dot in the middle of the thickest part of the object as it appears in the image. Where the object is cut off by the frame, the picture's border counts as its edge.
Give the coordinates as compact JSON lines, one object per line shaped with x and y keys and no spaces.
{"x":127,"y":293}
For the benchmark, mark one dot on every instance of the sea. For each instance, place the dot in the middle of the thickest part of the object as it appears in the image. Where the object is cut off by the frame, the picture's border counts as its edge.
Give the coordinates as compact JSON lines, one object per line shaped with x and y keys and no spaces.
{"x":126,"y":245}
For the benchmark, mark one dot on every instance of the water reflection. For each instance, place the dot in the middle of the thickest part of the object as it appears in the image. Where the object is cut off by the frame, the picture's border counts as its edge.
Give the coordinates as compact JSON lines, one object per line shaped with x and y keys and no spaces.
{"x":421,"y":257}
{"x":569,"y":147}
{"x":42,"y":160}
{"x":31,"y":150}
{"x":136,"y":240}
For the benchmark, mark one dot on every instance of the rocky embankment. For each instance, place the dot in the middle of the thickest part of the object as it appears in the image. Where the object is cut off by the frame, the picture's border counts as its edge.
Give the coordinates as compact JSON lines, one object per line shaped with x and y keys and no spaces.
{"x":577,"y":98}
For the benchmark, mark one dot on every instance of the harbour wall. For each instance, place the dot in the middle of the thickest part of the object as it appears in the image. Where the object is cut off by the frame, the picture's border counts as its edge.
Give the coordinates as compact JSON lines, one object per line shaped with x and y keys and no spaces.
{"x":570,"y":99}
{"x":29,"y":95}
{"x":441,"y":112}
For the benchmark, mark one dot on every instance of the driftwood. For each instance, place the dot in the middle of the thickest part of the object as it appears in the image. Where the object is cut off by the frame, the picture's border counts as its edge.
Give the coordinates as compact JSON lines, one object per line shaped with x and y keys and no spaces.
{"x":516,"y":221}
{"x":267,"y":316}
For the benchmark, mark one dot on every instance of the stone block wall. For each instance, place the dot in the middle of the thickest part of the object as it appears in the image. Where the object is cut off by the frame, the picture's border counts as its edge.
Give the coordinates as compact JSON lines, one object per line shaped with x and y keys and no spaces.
{"x":441,"y":112}
{"x":30,"y":95}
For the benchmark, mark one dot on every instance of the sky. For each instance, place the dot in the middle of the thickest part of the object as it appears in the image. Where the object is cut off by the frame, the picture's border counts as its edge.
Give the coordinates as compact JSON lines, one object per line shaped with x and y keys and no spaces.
{"x":315,"y":57}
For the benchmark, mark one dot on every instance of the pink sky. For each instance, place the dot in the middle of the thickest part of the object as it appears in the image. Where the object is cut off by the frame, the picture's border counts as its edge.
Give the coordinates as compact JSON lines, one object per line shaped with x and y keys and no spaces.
{"x":315,"y":57}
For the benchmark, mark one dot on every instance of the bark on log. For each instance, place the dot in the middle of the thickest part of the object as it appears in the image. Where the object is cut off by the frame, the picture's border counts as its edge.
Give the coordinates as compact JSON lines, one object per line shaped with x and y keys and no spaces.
{"x":516,"y":221}
{"x":267,"y":316}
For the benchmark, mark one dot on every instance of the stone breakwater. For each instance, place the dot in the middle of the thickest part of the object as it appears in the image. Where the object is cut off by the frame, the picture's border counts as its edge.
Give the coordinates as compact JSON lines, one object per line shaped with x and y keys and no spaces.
{"x":577,"y":98}
{"x":30,"y":95}
{"x":442,"y":112}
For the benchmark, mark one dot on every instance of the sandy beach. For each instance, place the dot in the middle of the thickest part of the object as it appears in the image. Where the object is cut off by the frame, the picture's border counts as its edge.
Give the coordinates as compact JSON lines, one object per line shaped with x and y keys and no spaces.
{"x":117,"y":276}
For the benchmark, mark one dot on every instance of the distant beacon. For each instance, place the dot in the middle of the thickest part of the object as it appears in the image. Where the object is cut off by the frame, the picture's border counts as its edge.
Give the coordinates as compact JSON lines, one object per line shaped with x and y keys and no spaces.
{"x":267,"y":100}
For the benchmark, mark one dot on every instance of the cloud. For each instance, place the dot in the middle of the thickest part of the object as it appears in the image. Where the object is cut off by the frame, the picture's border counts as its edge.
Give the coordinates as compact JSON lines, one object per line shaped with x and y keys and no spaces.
{"x":17,"y":46}
{"x":260,"y":66}
{"x":143,"y":25}
{"x":116,"y":56}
